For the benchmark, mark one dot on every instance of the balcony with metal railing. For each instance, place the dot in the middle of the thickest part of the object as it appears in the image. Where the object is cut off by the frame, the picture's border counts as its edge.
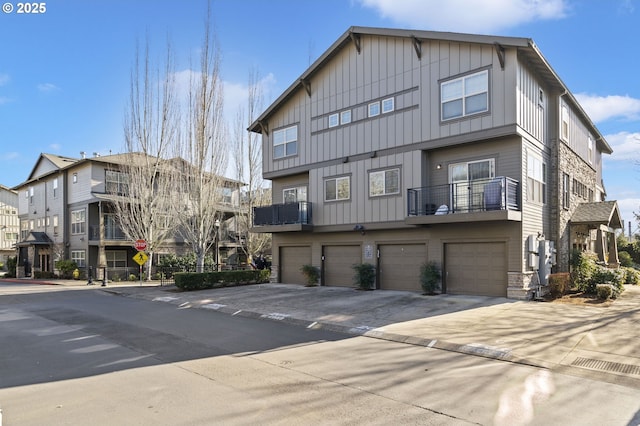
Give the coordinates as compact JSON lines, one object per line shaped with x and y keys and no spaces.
{"x":111,"y":233}
{"x":283,"y":217}
{"x":476,"y":200}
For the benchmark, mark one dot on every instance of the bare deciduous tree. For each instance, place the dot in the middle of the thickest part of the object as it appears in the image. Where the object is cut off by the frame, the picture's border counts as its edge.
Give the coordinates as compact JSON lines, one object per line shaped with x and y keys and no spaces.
{"x":140,"y":182}
{"x":203,"y":149}
{"x":248,"y":163}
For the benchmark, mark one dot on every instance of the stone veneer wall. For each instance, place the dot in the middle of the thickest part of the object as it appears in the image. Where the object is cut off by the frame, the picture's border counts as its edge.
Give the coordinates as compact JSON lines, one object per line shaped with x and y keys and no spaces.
{"x":568,"y":162}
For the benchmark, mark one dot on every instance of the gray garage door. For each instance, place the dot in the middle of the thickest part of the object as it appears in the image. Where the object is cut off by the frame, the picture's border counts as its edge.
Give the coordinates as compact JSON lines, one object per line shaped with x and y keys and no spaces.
{"x":476,"y":269}
{"x":338,"y":264}
{"x":400,"y":266}
{"x":291,"y":260}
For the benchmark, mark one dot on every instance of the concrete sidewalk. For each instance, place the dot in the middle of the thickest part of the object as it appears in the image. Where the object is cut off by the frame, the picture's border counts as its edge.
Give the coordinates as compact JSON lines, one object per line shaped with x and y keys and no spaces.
{"x":592,"y":341}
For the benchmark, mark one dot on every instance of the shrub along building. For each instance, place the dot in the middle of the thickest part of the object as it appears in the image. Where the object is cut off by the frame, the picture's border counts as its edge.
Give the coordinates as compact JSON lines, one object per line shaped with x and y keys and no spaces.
{"x":66,"y":211}
{"x":399,"y":147}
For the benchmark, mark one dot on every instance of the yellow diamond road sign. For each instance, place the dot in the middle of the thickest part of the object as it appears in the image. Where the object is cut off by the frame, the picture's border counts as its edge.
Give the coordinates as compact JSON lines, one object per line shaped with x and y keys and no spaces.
{"x":141,"y":258}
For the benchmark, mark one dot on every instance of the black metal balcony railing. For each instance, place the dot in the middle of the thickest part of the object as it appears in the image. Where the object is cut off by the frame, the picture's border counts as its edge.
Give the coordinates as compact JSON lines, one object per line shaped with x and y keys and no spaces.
{"x":111,"y":233}
{"x":283,"y":214}
{"x":500,"y":193}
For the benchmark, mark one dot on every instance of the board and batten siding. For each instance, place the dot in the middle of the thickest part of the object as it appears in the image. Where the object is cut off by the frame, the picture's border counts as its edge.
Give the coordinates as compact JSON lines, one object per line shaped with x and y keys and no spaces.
{"x":578,"y":134}
{"x":388,"y":67}
{"x":536,"y":217}
{"x":506,"y":152}
{"x":361,"y":208}
{"x":81,"y":190}
{"x":533,"y":101}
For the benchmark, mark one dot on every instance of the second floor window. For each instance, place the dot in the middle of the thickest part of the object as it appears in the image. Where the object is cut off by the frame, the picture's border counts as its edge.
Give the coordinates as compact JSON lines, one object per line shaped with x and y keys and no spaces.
{"x":536,"y":180}
{"x":384,"y":182}
{"x":116,"y":182}
{"x":55,"y":224}
{"x":294,"y":195}
{"x":54,"y":186}
{"x":336,"y":189}
{"x":465,"y":96}
{"x":285,"y":142}
{"x":78,"y":222}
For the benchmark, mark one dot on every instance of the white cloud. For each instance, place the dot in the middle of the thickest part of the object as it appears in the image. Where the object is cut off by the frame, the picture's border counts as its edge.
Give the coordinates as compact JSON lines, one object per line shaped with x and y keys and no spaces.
{"x":629,"y":206}
{"x":4,"y":100}
{"x":47,"y":87}
{"x":602,"y":108}
{"x":626,"y":146}
{"x":468,"y":16}
{"x":55,"y":147}
{"x":4,"y":79}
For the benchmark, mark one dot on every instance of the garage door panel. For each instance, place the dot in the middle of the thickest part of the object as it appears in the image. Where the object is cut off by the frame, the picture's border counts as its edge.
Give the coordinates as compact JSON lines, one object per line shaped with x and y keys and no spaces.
{"x":338,"y":264}
{"x":291,"y":260}
{"x":476,"y":269}
{"x":400,"y":266}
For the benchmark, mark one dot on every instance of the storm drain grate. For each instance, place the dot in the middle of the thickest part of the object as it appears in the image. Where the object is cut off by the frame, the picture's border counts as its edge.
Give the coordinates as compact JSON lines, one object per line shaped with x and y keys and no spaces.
{"x":615,"y":367}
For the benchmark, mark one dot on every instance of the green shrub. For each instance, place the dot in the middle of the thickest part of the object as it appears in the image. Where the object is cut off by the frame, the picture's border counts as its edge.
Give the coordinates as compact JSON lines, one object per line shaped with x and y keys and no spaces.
{"x":311,"y":273}
{"x":583,"y":265}
{"x":43,"y":275}
{"x":430,"y":277}
{"x":604,"y":291}
{"x":603,"y":275}
{"x":631,"y":276}
{"x":132,"y":277}
{"x":559,"y":284}
{"x":625,"y":258}
{"x":190,"y":281}
{"x":66,"y":268}
{"x":365,"y":276}
{"x":12,"y":262}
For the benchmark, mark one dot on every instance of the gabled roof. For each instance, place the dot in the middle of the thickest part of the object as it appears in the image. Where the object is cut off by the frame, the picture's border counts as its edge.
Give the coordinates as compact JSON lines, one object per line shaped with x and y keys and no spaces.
{"x":57,"y":162}
{"x":525,"y":46}
{"x":36,"y":238}
{"x":598,"y":213}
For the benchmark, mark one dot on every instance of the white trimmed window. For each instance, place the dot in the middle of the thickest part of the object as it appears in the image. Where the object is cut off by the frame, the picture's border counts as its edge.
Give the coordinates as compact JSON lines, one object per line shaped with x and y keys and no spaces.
{"x":74,"y":178}
{"x":465,"y":96}
{"x":285,"y":142}
{"x":78,"y":256}
{"x":54,"y":186}
{"x":374,"y":109}
{"x":337,"y":189}
{"x":294,"y":195}
{"x":345,"y":117}
{"x":55,"y":224}
{"x":590,"y":149}
{"x":384,"y":182}
{"x":388,"y":105}
{"x":116,"y":182}
{"x":564,"y":125}
{"x":333,"y":120}
{"x":536,"y":180}
{"x":78,"y":221}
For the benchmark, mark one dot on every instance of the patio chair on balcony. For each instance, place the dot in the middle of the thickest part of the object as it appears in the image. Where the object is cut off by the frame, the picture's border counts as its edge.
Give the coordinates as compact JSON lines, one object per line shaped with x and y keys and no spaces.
{"x":493,"y":199}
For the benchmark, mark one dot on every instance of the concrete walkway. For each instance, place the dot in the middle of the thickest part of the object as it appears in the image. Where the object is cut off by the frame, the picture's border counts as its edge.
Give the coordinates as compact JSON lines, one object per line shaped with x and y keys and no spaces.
{"x":601,"y":342}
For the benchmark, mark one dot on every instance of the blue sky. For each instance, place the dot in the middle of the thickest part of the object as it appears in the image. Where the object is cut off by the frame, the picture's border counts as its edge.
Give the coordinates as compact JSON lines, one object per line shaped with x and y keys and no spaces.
{"x":64,"y":73}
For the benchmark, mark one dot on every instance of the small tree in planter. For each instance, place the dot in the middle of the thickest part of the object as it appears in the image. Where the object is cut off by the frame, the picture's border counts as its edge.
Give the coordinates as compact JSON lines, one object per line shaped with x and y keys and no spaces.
{"x":365,"y":276}
{"x":312,"y":273}
{"x":430,"y":277}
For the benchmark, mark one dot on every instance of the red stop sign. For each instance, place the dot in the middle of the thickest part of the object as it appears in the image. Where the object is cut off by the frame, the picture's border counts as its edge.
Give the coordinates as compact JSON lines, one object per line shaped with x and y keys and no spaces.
{"x":140,"y":245}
